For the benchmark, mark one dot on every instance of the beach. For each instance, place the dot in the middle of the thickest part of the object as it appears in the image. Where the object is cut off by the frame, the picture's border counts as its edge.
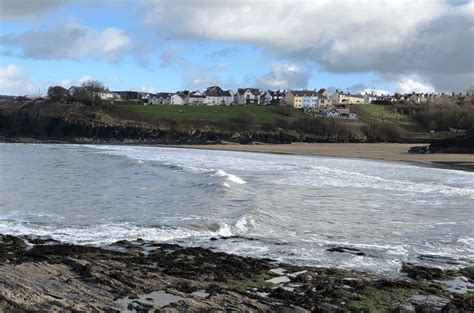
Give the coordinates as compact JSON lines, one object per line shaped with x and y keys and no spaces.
{"x":376,"y":151}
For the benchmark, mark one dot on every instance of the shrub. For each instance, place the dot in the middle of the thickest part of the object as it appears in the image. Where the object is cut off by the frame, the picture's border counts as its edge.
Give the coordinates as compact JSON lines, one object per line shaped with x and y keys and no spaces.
{"x":245,"y":118}
{"x":286,"y":111}
{"x":269,"y":127}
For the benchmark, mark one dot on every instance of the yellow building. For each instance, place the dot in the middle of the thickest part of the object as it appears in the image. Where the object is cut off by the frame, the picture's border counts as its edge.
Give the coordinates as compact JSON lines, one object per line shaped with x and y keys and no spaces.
{"x":294,"y":98}
{"x":298,"y":102}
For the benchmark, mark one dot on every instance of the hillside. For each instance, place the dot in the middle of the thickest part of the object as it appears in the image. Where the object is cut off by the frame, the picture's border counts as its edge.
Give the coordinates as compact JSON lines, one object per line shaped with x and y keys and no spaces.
{"x":49,"y":120}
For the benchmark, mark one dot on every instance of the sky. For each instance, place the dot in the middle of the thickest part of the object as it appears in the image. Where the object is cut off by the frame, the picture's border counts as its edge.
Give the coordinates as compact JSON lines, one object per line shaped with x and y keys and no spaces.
{"x":168,"y":45}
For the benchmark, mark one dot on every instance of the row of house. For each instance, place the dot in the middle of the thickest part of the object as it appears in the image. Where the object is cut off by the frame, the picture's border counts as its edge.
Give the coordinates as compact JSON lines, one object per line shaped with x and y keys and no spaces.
{"x":300,"y":99}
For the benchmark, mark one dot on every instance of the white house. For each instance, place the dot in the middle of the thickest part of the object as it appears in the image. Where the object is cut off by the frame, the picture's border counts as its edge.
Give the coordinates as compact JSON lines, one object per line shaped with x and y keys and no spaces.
{"x":161,"y":98}
{"x":178,"y":99}
{"x":271,"y":97}
{"x":332,"y":113}
{"x":369,"y":97}
{"x":195,"y":98}
{"x":247,"y":96}
{"x":216,"y":96}
{"x":340,"y":97}
{"x":310,"y":99}
{"x":108,"y":95}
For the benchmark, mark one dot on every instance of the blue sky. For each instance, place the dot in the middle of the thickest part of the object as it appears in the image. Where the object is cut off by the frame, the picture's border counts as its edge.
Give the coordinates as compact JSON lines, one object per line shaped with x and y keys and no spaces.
{"x":173,"y":45}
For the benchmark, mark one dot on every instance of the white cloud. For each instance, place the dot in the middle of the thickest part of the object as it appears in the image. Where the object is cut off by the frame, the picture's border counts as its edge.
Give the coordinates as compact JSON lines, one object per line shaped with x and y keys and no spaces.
{"x":399,"y":37}
{"x":409,"y":85}
{"x":14,"y":82}
{"x":115,"y":41}
{"x":70,"y":41}
{"x":84,"y":79}
{"x":284,"y":76}
{"x":148,"y":89}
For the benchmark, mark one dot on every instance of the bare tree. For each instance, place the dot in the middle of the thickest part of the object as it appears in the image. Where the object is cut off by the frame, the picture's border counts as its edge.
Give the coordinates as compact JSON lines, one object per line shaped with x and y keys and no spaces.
{"x":94,"y":86}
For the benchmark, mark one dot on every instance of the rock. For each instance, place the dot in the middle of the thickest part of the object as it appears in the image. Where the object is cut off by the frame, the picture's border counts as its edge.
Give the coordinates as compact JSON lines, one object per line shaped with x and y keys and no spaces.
{"x":346,"y":250}
{"x":418,"y":272}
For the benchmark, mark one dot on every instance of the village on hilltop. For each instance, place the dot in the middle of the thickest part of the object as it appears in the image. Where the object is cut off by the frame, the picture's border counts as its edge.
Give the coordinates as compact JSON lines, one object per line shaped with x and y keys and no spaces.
{"x":319,"y":102}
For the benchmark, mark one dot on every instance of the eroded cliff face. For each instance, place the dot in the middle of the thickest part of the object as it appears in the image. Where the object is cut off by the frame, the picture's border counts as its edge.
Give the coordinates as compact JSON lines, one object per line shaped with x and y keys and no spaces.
{"x":52,"y":121}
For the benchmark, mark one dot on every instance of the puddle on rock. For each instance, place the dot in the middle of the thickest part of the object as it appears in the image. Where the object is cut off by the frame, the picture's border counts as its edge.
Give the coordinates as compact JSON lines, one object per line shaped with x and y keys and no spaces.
{"x":147,"y":301}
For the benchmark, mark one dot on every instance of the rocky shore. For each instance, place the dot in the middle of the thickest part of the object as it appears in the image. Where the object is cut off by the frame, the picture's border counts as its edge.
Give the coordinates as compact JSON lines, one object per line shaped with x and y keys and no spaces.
{"x":44,"y":275}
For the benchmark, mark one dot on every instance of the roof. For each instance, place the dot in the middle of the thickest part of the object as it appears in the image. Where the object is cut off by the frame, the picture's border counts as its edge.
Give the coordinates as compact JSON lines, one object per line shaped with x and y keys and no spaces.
{"x":196,"y":94}
{"x":253,"y":91}
{"x":164,"y":94}
{"x":349,"y":95}
{"x":304,"y":93}
{"x":216,"y":91}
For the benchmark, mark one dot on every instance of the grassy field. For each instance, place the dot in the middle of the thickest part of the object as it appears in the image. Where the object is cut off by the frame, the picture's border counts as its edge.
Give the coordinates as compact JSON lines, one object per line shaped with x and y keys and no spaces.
{"x":261,"y":114}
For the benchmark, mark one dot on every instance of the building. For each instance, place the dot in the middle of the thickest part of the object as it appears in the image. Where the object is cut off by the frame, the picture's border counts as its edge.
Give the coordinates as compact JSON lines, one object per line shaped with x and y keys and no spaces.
{"x":302,"y":99}
{"x":216,"y":96}
{"x":162,"y":98}
{"x":108,"y":95}
{"x":293,"y":98}
{"x":271,"y":97}
{"x":178,"y":98}
{"x":195,"y":98}
{"x":129,"y":95}
{"x":369,"y":97}
{"x":340,"y":97}
{"x":247,"y":96}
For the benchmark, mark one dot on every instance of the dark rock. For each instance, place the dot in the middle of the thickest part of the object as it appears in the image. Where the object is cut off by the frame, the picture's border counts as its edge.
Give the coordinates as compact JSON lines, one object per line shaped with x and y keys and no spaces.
{"x":418,"y":272}
{"x":346,"y":250}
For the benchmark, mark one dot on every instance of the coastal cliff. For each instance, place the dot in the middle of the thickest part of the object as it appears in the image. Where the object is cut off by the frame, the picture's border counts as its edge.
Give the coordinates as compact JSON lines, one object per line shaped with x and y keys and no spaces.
{"x":53,"y":121}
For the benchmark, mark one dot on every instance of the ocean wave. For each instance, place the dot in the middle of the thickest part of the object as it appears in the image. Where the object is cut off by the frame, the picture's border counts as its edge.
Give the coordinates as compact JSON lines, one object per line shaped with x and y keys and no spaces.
{"x":230,"y":177}
{"x":323,"y":175}
{"x":108,"y":233}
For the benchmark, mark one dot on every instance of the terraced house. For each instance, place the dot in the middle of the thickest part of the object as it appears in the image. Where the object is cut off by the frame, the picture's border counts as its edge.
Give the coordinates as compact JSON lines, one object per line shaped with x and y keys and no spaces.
{"x":247,"y":96}
{"x":293,"y":98}
{"x":340,"y":97}
{"x":216,"y":96}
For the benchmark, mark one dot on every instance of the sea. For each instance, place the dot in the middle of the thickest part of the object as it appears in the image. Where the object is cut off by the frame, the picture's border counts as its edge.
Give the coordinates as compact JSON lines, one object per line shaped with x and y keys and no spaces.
{"x":290,"y":208}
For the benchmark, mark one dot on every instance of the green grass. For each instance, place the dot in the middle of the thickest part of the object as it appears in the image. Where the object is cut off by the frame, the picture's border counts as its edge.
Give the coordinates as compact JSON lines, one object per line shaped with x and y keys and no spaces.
{"x":374,"y":112}
{"x":257,"y":281}
{"x":376,"y":300}
{"x":262,"y":114}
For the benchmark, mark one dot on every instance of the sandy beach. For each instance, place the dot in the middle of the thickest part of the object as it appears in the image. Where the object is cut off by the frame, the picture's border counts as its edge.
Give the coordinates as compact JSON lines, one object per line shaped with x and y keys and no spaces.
{"x":377,"y":151}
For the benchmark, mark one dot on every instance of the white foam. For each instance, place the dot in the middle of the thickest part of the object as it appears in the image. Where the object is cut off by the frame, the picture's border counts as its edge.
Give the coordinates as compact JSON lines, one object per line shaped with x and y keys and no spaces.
{"x":230,"y":177}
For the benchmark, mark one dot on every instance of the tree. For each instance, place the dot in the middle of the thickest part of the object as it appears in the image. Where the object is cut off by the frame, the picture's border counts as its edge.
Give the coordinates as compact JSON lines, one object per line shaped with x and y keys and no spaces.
{"x":94,"y":86}
{"x":57,"y":92}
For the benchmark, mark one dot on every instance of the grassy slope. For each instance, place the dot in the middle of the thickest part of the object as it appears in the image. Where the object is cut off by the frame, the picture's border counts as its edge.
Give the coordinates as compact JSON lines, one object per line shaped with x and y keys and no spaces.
{"x":262,"y":114}
{"x":377,"y":113}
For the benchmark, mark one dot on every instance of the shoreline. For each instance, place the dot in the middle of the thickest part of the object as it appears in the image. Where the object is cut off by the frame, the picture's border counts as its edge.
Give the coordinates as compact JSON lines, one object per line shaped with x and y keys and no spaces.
{"x":44,"y":274}
{"x":390,"y":152}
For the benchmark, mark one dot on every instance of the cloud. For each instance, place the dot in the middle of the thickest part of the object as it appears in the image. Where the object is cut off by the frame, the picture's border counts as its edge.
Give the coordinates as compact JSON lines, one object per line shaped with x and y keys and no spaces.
{"x":71,"y":42}
{"x":14,"y":82}
{"x":221,"y":53}
{"x":428,"y":38}
{"x":148,"y":89}
{"x":21,"y":9}
{"x":409,"y":85}
{"x":170,"y":56}
{"x":284,"y":76}
{"x":362,"y":89}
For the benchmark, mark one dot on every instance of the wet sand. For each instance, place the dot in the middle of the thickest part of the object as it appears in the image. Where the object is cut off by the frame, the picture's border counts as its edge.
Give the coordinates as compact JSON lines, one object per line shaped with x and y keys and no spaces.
{"x":377,"y":151}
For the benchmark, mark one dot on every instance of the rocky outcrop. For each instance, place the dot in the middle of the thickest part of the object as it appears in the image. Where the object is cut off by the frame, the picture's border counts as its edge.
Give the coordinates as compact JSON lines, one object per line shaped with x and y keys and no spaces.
{"x":44,"y":275}
{"x":459,"y":144}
